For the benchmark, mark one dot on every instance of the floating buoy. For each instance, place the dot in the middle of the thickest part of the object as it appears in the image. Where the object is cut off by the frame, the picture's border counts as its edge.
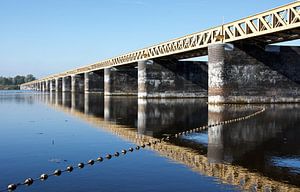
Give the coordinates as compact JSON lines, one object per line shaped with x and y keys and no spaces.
{"x":44,"y":177}
{"x":70,"y":168}
{"x":12,"y":187}
{"x":28,"y":181}
{"x":80,"y":165}
{"x":91,"y":162}
{"x":57,"y":172}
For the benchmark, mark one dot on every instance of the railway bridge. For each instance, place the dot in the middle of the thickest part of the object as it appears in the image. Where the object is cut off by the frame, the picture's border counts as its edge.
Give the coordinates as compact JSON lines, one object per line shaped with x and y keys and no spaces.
{"x":243,"y":65}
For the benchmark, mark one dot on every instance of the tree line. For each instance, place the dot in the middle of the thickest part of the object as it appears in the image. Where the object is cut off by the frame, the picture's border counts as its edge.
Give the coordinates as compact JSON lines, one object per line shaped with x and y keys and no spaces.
{"x":17,"y":80}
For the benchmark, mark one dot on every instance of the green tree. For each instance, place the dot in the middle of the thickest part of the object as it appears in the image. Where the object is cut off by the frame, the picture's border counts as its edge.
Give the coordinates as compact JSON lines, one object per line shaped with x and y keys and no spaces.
{"x":29,"y":78}
{"x":18,"y":80}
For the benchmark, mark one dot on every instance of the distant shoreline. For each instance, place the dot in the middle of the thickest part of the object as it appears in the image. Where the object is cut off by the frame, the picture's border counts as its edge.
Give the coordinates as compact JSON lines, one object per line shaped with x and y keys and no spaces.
{"x":9,"y":87}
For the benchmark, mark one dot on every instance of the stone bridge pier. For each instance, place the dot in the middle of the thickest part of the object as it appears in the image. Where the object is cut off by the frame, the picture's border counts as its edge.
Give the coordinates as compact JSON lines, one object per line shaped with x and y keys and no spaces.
{"x":247,"y":73}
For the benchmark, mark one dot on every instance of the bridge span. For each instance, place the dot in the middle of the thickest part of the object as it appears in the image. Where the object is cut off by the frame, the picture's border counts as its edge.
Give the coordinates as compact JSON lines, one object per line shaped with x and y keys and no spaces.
{"x":242,"y":67}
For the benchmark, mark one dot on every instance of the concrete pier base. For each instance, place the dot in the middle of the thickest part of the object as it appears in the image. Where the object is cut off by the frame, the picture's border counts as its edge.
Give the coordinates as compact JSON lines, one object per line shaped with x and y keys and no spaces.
{"x":172,"y":79}
{"x":252,"y":74}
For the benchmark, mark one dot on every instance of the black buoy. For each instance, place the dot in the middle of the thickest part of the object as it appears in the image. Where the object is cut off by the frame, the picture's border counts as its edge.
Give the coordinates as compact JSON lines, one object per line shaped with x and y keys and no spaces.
{"x":57,"y":172}
{"x":70,"y":168}
{"x":12,"y":187}
{"x":28,"y":181}
{"x":44,"y":177}
{"x":80,"y":165}
{"x":91,"y":162}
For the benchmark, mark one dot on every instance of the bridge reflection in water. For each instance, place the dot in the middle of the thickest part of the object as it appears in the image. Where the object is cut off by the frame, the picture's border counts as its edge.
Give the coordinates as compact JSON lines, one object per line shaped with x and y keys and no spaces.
{"x":240,"y":154}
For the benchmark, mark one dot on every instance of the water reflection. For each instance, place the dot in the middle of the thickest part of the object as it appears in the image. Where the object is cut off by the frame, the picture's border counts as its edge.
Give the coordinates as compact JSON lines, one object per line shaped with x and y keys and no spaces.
{"x":157,"y":117}
{"x":260,"y":153}
{"x":121,"y":110}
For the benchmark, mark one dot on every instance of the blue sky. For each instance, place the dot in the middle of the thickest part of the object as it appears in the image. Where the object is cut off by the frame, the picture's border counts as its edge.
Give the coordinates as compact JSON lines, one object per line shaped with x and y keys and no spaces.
{"x":43,"y":37}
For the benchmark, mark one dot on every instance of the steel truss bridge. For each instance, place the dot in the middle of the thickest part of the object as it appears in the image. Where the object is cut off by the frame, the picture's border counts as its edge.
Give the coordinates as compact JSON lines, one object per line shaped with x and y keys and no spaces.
{"x":272,"y":26}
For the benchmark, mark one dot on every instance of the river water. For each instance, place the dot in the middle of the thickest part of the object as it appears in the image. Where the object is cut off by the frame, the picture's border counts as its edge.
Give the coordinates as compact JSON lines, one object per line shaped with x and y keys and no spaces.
{"x":41,"y":132}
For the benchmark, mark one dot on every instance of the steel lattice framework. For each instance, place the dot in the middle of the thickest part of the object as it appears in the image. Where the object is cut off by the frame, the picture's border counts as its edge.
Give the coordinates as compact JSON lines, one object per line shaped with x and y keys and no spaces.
{"x":276,"y":25}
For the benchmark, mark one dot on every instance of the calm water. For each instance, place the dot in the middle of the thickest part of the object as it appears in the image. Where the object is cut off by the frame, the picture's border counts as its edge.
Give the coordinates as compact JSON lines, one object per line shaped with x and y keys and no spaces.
{"x":44,"y":132}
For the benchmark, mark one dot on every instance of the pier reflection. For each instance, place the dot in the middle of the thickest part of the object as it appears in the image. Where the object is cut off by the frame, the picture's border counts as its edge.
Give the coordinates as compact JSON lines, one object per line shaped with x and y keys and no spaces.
{"x":158,"y":117}
{"x":247,"y":153}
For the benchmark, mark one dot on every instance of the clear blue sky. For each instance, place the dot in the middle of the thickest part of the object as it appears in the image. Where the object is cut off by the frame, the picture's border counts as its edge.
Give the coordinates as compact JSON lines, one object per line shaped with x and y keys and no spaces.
{"x":43,"y":37}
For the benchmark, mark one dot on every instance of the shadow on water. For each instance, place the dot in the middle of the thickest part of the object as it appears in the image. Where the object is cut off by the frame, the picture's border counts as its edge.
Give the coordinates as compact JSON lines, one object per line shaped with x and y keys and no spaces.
{"x":259,"y":153}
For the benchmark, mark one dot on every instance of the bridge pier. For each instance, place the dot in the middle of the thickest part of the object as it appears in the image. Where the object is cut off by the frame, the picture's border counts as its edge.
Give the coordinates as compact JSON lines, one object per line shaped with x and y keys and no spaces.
{"x":245,"y":73}
{"x":47,"y":86}
{"x":44,"y":86}
{"x":66,"y":84}
{"x":41,"y":86}
{"x":77,"y":83}
{"x":52,"y":85}
{"x":172,"y":78}
{"x":120,"y":80}
{"x":38,"y":86}
{"x":94,"y":81}
{"x":58,"y":84}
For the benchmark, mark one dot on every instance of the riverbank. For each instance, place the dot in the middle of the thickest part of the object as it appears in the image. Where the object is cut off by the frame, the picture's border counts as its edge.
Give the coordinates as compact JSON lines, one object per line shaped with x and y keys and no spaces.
{"x":9,"y":87}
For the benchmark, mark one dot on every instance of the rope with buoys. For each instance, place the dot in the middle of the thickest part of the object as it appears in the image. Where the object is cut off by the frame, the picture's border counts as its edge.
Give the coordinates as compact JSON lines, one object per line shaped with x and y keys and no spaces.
{"x":58,"y":172}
